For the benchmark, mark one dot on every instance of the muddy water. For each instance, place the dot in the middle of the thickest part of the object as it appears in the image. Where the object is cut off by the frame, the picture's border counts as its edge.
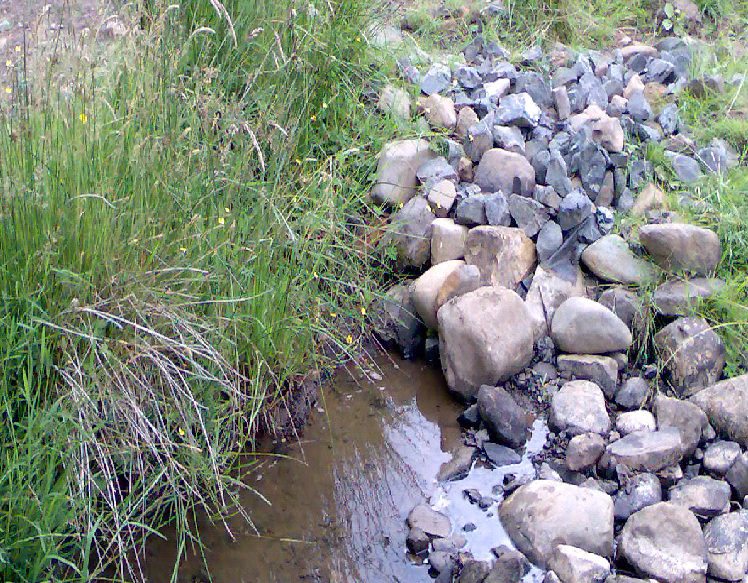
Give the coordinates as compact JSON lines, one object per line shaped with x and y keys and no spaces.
{"x":338,"y":499}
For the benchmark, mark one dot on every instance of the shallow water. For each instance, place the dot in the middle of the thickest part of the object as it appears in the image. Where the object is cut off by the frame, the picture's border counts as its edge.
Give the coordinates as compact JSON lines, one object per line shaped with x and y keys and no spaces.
{"x":338,"y":501}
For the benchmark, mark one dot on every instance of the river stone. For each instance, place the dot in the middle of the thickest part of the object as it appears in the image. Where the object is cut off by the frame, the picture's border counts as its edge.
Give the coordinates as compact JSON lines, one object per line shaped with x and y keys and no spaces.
{"x":500,"y":455}
{"x":640,"y":491}
{"x":395,"y":101}
{"x":397,"y":321}
{"x":441,"y":197}
{"x":442,"y":561}
{"x":650,"y":198}
{"x":582,"y":326}
{"x":702,"y":495}
{"x":635,"y":421}
{"x":583,"y":451}
{"x":693,"y":353}
{"x":518,"y":109}
{"x":611,"y":259}
{"x":681,"y":247}
{"x":719,"y":457}
{"x":425,"y":288}
{"x":464,"y":279}
{"x":573,"y":565}
{"x":459,"y":466}
{"x":726,"y":539}
{"x":504,"y":171}
{"x":648,"y":450}
{"x":547,"y":292}
{"x":601,"y":370}
{"x":625,"y":304}
{"x":410,"y":232}
{"x":417,"y":541}
{"x":485,"y":337}
{"x":505,"y":420}
{"x":536,"y":517}
{"x":579,"y":407}
{"x":447,"y":240}
{"x":504,"y":255}
{"x":686,"y":168}
{"x":396,"y":170}
{"x":430,"y":521}
{"x":686,"y":417}
{"x":664,"y":541}
{"x":439,"y":111}
{"x":737,"y":475}
{"x":726,"y":406}
{"x":633,"y":394}
{"x":680,"y":297}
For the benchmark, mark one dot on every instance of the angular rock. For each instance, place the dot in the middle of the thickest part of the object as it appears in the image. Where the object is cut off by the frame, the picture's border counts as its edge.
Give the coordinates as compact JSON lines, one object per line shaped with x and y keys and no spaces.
{"x":549,"y":240}
{"x":504,"y":255}
{"x":681,"y":247}
{"x":680,"y":297}
{"x":509,"y":566}
{"x":574,"y":209}
{"x":726,"y":406}
{"x":425,"y":289}
{"x":702,"y":495}
{"x":518,"y":109}
{"x":447,"y":240}
{"x":463,"y":280}
{"x":686,"y":168}
{"x":635,"y":421}
{"x":500,"y":455}
{"x":547,"y":292}
{"x":719,"y":457}
{"x":582,"y":326}
{"x":726,"y":539}
{"x":686,"y":417}
{"x":410,"y":232}
{"x":529,"y":214}
{"x":536,"y":517}
{"x":430,"y":521}
{"x":474,"y":572}
{"x":579,"y":407}
{"x":509,"y":138}
{"x":504,"y":171}
{"x":573,"y":565}
{"x":436,"y":79}
{"x":650,"y":198}
{"x":397,"y":320}
{"x":583,"y":451}
{"x":485,"y":336}
{"x":611,"y":259}
{"x":633,"y":394}
{"x":417,"y":541}
{"x":497,"y":209}
{"x":479,"y":141}
{"x":471,"y":211}
{"x":737,"y":475}
{"x":459,"y":466}
{"x":505,"y":420}
{"x":466,"y":118}
{"x":396,"y":170}
{"x":640,"y":491}
{"x":648,"y":451}
{"x":664,"y":541}
{"x":601,"y":370}
{"x":607,"y":132}
{"x":439,"y":111}
{"x":441,"y":197}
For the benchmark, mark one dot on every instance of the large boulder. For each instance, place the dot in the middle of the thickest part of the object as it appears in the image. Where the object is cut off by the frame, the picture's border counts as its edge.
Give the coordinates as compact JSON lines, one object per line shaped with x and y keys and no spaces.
{"x":425,"y":289}
{"x":537,"y":517}
{"x":726,"y":406}
{"x":504,"y":255}
{"x":681,"y":297}
{"x":547,"y":292}
{"x":583,"y":326}
{"x":396,"y":170}
{"x":664,"y":541}
{"x":693,"y":354}
{"x":610,"y":259}
{"x":485,"y":337}
{"x":510,"y":173}
{"x":682,"y":247}
{"x":579,"y":407}
{"x":410,"y":232}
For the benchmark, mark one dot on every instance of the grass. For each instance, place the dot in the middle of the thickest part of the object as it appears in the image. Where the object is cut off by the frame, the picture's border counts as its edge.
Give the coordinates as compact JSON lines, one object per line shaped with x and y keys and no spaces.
{"x":180,"y":236}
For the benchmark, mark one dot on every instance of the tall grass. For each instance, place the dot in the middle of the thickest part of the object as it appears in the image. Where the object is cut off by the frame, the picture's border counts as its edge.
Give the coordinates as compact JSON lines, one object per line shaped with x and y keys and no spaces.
{"x":179,"y":236}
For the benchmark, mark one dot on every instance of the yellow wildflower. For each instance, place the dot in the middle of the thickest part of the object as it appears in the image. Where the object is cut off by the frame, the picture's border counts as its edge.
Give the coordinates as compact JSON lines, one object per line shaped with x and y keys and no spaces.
{"x":221,"y":221}
{"x":349,"y":339}
{"x":324,"y":105}
{"x":227,"y":209}
{"x":333,"y":314}
{"x":18,"y":48}
{"x":363,"y":311}
{"x":83,"y":117}
{"x":313,"y":117}
{"x":8,"y":90}
{"x":9,"y":64}
{"x":183,"y":249}
{"x":315,"y":275}
{"x":180,"y":431}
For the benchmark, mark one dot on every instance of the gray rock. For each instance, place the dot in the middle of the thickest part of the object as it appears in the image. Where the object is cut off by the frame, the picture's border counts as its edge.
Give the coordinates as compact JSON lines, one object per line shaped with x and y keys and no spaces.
{"x":681,"y":297}
{"x":561,"y":102}
{"x":669,"y":119}
{"x":719,"y":457}
{"x":686,"y":417}
{"x":648,"y":451}
{"x":579,"y":407}
{"x":417,"y":541}
{"x":539,"y":161}
{"x":737,"y":476}
{"x":640,"y":491}
{"x":605,"y":220}
{"x":442,"y":562}
{"x":500,"y":455}
{"x":574,"y":209}
{"x":727,"y":546}
{"x":518,"y":109}
{"x":702,"y":495}
{"x":509,"y":138}
{"x":509,"y":566}
{"x":436,"y":80}
{"x":547,"y":195}
{"x":686,"y":168}
{"x":633,"y":394}
{"x":726,"y":406}
{"x":497,"y":209}
{"x":505,"y":256}
{"x":435,"y":170}
{"x":624,"y":304}
{"x":479,"y":141}
{"x":592,"y":162}
{"x":536,"y":517}
{"x":647,"y":132}
{"x":471,"y":211}
{"x":583,"y":451}
{"x":459,"y":466}
{"x":664,"y":541}
{"x":441,"y":197}
{"x":547,"y":292}
{"x":682,"y":247}
{"x":573,"y":565}
{"x":633,"y":421}
{"x":504,"y":171}
{"x":397,"y":321}
{"x":430,"y":521}
{"x":505,"y":420}
{"x":557,"y":174}
{"x":533,"y":83}
{"x":549,"y":240}
{"x":473,"y":572}
{"x":447,"y":240}
{"x":610,"y":259}
{"x":410,"y":232}
{"x":693,"y":353}
{"x":658,"y":71}
{"x":467,"y":77}
{"x":639,"y":108}
{"x":582,"y":326}
{"x":601,"y":370}
{"x":529,"y":214}
{"x":485,"y":336}
{"x":396,"y":170}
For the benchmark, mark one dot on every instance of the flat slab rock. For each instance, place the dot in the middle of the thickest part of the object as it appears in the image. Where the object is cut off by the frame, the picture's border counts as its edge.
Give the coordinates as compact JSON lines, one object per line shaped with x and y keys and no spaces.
{"x":648,"y":450}
{"x":680,"y":297}
{"x":579,"y":407}
{"x":429,"y":521}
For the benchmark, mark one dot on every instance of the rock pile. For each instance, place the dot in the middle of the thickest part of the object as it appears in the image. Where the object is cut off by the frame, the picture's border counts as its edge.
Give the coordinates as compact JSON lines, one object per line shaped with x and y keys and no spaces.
{"x":533,"y":298}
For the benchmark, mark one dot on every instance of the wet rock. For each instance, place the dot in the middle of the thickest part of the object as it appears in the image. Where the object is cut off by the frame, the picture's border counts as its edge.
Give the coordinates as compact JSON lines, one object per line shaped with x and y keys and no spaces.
{"x":536,"y":517}
{"x":664,"y":541}
{"x":529,"y":214}
{"x":518,"y":109}
{"x":504,"y":171}
{"x":648,"y":451}
{"x":640,"y":491}
{"x":681,"y":247}
{"x":395,"y":101}
{"x":549,"y":240}
{"x":500,"y":455}
{"x":635,"y":421}
{"x":442,"y":562}
{"x":433,"y":523}
{"x":397,"y":321}
{"x":509,"y":138}
{"x":611,"y":259}
{"x":441,"y":197}
{"x":473,"y":572}
{"x":470,"y":417}
{"x":726,"y":406}
{"x":411,"y":233}
{"x":436,"y":79}
{"x":573,"y":565}
{"x":579,"y":407}
{"x":719,"y":457}
{"x":737,"y":476}
{"x":727,"y":546}
{"x":624,"y":304}
{"x":504,"y":255}
{"x":417,"y":541}
{"x":505,"y":420}
{"x":547,"y":292}
{"x":396,"y":170}
{"x":702,"y":495}
{"x":459,"y":466}
{"x":693,"y":353}
{"x":583,"y":451}
{"x":686,"y":417}
{"x":686,"y":168}
{"x":485,"y":336}
{"x":582,"y":326}
{"x":508,"y":567}
{"x":601,"y":370}
{"x":447,"y":240}
{"x":650,"y":198}
{"x":680,"y":297}
{"x":633,"y":394}
{"x":425,"y":289}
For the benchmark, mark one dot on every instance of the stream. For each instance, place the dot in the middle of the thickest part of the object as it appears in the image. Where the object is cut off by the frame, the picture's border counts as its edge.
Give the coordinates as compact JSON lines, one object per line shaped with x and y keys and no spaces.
{"x":337,"y":499}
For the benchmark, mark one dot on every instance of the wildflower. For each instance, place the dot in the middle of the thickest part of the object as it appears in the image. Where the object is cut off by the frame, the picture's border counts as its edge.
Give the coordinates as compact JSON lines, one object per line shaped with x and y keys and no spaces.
{"x":313,"y":117}
{"x":8,"y":90}
{"x":18,"y":48}
{"x":9,"y":64}
{"x":349,"y":339}
{"x":221,"y":220}
{"x":83,"y":117}
{"x":183,"y":249}
{"x":324,"y":105}
{"x":227,"y":209}
{"x":315,"y":275}
{"x":363,"y":311}
{"x":402,"y":204}
{"x":333,"y":314}
{"x":298,"y":162}
{"x":180,"y":431}
{"x":133,"y":241}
